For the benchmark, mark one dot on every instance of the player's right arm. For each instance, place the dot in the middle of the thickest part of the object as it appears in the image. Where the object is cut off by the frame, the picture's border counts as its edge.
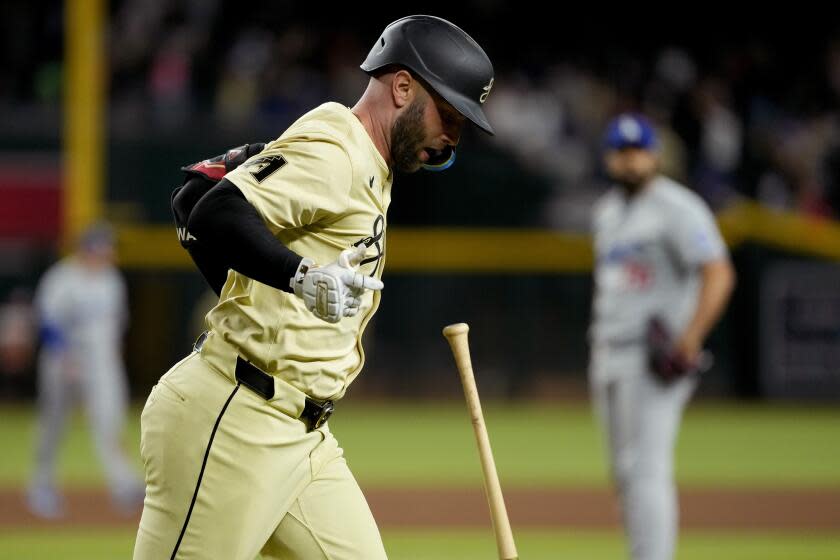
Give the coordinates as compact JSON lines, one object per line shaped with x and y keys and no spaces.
{"x":241,"y":216}
{"x":699,"y":245}
{"x":717,"y":280}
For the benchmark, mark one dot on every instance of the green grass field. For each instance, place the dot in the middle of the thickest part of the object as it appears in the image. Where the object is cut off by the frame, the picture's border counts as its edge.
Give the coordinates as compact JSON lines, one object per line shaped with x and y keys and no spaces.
{"x":460,"y":545}
{"x":431,"y":444}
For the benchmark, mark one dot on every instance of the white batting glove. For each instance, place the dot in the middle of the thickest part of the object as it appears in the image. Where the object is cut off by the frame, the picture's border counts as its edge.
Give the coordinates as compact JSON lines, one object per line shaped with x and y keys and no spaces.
{"x":334,"y":291}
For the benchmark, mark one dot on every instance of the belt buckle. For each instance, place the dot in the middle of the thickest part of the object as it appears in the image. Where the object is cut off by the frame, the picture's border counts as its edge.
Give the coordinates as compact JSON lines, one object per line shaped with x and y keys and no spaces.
{"x":316,"y":413}
{"x":326,"y":411}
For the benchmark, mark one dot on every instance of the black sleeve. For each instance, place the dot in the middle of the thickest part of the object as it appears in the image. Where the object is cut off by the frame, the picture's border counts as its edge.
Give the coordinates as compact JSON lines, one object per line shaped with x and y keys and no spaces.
{"x":184,"y":199}
{"x":224,"y":222}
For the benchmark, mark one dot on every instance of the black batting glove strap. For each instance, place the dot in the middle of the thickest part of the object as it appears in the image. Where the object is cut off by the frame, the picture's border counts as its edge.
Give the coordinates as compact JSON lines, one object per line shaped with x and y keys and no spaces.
{"x":224,"y":222}
{"x":215,"y":168}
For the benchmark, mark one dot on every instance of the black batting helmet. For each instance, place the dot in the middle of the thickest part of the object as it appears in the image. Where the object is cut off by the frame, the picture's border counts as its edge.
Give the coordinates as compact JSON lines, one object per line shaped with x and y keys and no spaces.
{"x":444,"y":56}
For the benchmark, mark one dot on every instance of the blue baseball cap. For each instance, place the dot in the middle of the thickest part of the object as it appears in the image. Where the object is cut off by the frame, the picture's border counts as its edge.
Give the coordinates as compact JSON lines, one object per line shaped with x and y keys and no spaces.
{"x":630,"y":130}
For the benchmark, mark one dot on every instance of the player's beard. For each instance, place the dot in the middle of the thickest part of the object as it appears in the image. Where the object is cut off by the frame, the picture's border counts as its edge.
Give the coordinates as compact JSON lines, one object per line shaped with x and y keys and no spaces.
{"x":407,"y":137}
{"x":632,"y":183}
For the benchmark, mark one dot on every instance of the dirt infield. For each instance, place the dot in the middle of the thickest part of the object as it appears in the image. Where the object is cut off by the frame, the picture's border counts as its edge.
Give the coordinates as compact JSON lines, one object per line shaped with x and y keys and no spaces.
{"x":794,"y":510}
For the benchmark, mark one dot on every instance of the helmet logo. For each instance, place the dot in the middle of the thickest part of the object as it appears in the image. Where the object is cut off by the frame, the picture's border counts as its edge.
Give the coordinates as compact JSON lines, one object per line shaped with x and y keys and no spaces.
{"x":486,"y":89}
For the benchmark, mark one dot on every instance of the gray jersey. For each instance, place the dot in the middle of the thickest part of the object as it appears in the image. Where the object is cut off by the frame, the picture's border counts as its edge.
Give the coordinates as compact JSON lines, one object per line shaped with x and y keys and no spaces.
{"x":648,"y":251}
{"x":87,"y":310}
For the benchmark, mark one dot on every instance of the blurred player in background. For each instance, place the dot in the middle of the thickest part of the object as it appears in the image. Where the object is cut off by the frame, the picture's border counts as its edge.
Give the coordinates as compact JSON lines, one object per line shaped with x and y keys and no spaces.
{"x":662,"y":280}
{"x":82,"y":313}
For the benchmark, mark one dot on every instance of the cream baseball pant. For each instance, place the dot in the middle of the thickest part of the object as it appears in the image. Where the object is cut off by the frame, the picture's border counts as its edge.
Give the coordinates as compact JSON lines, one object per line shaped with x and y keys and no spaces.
{"x":230,"y":476}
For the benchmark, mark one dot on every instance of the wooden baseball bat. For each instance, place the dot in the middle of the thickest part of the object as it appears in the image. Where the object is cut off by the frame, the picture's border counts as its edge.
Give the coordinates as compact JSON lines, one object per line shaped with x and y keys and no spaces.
{"x":457,"y":336}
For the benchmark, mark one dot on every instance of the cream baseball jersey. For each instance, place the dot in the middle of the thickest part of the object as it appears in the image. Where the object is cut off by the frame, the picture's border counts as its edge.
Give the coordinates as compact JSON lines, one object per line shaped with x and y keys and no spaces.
{"x":321,"y":187}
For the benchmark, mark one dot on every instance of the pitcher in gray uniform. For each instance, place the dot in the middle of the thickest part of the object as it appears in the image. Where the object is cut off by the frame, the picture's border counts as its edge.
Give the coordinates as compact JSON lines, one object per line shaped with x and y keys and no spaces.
{"x":658,"y":254}
{"x":82,"y":314}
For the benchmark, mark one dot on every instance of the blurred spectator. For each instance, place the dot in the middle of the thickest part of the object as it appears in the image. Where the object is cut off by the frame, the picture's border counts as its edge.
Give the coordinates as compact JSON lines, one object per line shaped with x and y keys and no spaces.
{"x":238,"y":93}
{"x":721,"y":136}
{"x":169,"y":79}
{"x":82,"y":314}
{"x":737,"y":115}
{"x":17,"y":333}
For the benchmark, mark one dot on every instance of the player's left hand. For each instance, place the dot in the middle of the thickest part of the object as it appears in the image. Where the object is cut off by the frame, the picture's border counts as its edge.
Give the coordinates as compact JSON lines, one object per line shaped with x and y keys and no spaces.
{"x":334,"y":291}
{"x":665,"y":358}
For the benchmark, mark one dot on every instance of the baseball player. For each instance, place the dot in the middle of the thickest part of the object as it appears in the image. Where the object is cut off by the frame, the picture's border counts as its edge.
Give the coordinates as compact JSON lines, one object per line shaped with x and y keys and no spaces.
{"x":237,"y":449}
{"x":662,"y":273}
{"x":82,"y":314}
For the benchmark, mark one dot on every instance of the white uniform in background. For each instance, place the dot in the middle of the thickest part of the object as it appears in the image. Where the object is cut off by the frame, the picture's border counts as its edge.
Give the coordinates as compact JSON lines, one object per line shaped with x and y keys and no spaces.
{"x":82,"y":314}
{"x":649,"y":252}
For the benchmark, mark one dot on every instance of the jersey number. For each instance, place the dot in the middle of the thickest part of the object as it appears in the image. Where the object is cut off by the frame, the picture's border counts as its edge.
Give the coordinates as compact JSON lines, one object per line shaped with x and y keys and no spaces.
{"x":265,"y":166}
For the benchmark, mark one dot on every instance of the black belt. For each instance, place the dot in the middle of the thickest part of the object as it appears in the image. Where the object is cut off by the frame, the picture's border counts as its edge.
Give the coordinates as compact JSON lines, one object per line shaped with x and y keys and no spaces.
{"x":314,"y":414}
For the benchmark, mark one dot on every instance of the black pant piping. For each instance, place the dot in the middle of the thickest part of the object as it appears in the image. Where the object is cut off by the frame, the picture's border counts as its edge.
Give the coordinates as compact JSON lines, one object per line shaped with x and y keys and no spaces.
{"x":201,"y":473}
